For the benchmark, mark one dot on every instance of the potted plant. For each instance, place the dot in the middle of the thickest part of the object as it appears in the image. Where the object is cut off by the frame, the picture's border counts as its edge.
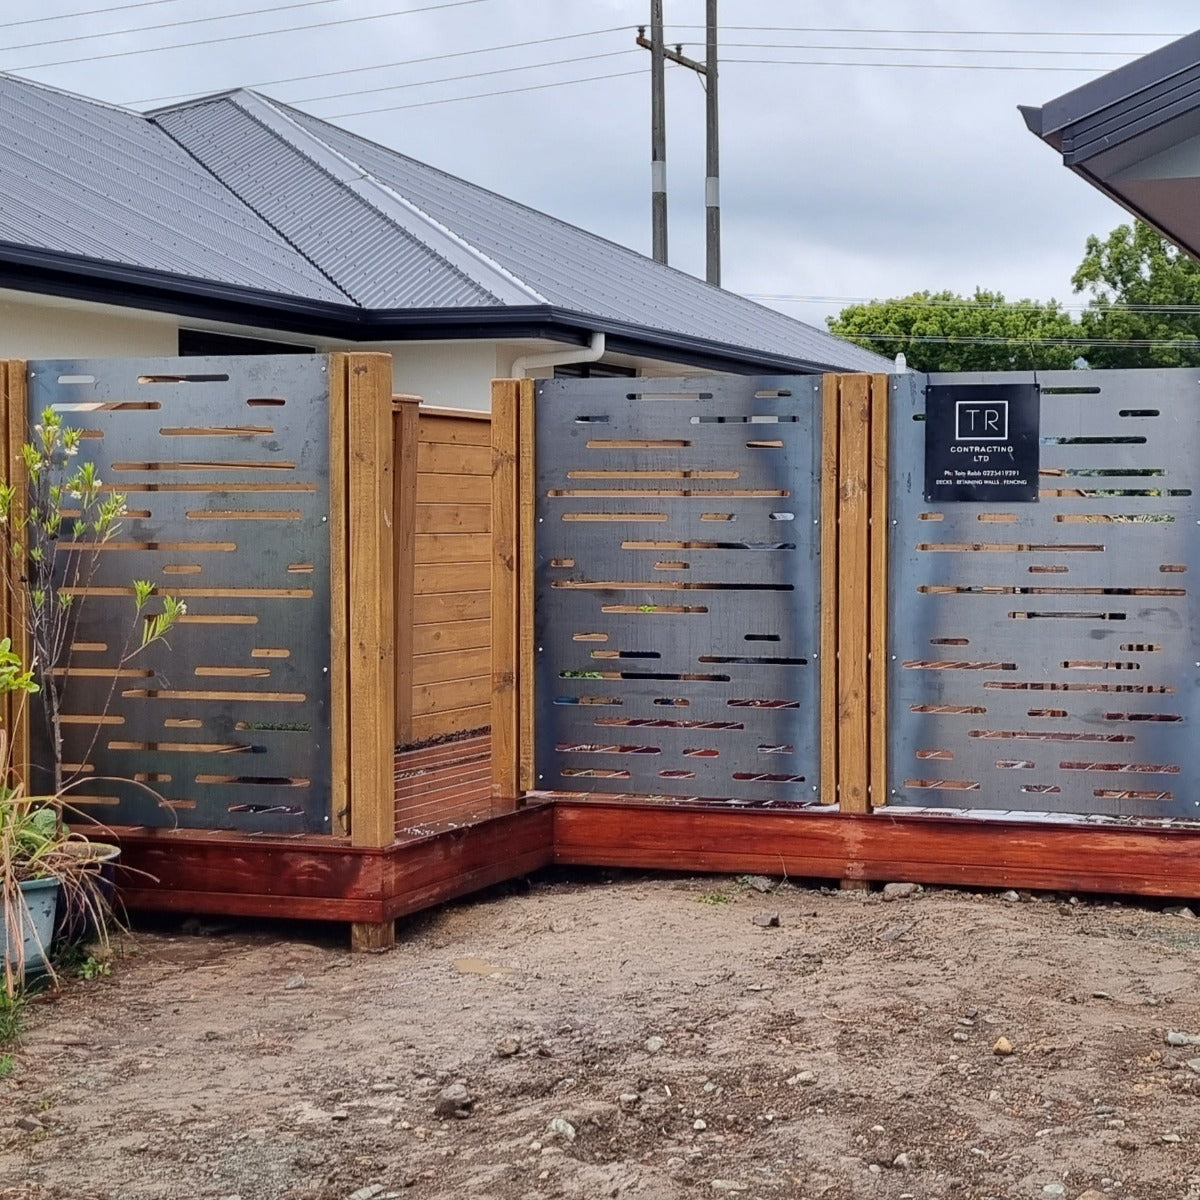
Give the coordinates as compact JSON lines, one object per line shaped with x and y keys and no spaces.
{"x":53,"y":527}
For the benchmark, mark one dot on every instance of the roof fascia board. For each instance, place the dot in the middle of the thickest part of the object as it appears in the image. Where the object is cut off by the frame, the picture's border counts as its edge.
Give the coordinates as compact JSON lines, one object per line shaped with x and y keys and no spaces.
{"x":458,"y":252}
{"x":72,"y":277}
{"x":1117,"y":87}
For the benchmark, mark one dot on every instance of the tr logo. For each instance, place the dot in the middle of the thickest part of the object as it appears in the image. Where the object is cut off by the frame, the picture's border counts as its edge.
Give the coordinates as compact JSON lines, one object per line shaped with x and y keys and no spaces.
{"x":981,"y":420}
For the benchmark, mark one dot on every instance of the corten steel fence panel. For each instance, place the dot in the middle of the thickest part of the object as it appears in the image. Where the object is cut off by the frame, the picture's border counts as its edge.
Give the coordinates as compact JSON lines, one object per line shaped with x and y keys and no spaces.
{"x":677,"y":598}
{"x":225,"y":466}
{"x":1043,"y":656}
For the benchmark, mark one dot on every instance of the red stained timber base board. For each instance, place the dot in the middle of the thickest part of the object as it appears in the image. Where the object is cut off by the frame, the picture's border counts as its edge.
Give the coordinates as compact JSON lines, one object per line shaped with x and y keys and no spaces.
{"x":320,"y":879}
{"x":925,"y":849}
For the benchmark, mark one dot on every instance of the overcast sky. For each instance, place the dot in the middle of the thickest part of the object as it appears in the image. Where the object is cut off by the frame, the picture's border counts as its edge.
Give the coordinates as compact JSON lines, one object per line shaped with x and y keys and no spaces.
{"x":839,"y":182}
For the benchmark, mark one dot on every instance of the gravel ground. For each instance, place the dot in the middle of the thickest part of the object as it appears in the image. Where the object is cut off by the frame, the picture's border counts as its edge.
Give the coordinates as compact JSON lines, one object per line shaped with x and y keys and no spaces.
{"x":602,"y":1035}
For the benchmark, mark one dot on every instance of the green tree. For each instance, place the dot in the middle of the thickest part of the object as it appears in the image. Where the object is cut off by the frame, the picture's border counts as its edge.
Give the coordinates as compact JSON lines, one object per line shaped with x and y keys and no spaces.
{"x":942,"y":331}
{"x":1140,"y":289}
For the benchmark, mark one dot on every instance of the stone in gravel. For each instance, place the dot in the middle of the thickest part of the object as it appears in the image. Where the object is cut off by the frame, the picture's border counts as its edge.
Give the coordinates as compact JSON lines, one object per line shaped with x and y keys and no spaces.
{"x":699,"y":1125}
{"x":295,"y":984}
{"x":1193,"y":1064}
{"x":768,"y":919}
{"x":1177,"y":1038}
{"x":654,"y":1044}
{"x":1011,"y":897}
{"x":564,"y":1129}
{"x":900,"y":891}
{"x":1125,"y":1142}
{"x":506,"y":1047}
{"x":960,"y":1035}
{"x":366,"y":1193}
{"x":803,"y":1078}
{"x":728,"y":1185}
{"x":902,"y":1162}
{"x":629,"y":1101}
{"x":29,"y":1124}
{"x":760,"y":883}
{"x":1179,"y":910}
{"x":453,"y":1101}
{"x":1054,"y":1189}
{"x":1171,"y":1138}
{"x":1003,"y":1047}
{"x":1091,"y":1194}
{"x":383,"y":1088}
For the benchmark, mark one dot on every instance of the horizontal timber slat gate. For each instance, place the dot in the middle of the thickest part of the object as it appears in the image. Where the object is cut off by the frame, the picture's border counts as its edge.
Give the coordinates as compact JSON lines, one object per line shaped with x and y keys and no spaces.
{"x":677,"y":592}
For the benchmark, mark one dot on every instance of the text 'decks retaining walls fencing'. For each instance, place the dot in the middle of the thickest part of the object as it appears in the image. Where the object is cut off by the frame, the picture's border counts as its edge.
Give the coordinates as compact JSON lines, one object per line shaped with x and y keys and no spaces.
{"x":1043,"y":655}
{"x":677,"y":598}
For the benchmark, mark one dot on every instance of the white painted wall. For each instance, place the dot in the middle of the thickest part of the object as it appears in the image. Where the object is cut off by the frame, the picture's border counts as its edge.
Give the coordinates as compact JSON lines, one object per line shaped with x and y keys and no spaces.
{"x":46,"y":327}
{"x":451,"y":374}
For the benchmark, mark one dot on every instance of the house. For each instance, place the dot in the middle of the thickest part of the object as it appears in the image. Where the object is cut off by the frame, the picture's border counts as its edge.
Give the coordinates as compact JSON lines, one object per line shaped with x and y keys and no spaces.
{"x":235,"y":224}
{"x":1135,"y":134}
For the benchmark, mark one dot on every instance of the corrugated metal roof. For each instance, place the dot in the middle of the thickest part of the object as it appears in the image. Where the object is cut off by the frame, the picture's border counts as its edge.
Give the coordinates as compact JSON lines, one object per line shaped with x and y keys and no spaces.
{"x":372,"y":260}
{"x":242,"y":192}
{"x":580,"y":271}
{"x":89,"y":179}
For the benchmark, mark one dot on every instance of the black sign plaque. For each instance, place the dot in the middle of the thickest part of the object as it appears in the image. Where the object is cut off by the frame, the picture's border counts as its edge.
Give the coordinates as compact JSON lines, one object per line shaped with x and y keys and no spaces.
{"x":981,"y":442}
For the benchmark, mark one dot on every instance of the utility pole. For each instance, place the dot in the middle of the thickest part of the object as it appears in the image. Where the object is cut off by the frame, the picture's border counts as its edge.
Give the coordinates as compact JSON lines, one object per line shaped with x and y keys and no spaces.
{"x":712,"y":170}
{"x":658,"y":133}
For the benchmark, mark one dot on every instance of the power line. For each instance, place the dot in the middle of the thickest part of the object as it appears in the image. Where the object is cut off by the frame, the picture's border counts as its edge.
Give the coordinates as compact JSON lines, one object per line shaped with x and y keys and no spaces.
{"x":820,"y":62}
{"x":87,"y":12}
{"x":392,"y":87}
{"x":934,"y":339}
{"x":958,"y":305}
{"x":935,"y":32}
{"x":537,"y":87}
{"x":925,"y":49}
{"x":238,"y":37}
{"x":407,"y":62}
{"x":88,"y":37}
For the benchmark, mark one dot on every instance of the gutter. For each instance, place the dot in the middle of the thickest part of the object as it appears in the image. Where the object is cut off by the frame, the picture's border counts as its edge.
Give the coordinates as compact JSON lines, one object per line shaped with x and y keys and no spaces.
{"x":49,"y":272}
{"x":558,"y":358}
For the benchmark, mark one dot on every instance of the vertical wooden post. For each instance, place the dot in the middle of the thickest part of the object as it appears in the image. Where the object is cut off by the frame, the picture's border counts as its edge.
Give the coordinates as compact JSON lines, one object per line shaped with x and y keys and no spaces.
{"x":405,"y":417}
{"x":526,"y":565}
{"x":506,"y":715}
{"x":878,"y":649}
{"x":830,"y":426}
{"x":14,"y":389}
{"x":853,"y":594}
{"x":339,"y":603}
{"x":366,"y":384}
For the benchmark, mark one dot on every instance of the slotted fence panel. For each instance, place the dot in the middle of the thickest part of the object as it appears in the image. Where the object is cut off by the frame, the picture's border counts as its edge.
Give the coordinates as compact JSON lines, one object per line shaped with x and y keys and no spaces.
{"x":225,"y":466}
{"x":1043,"y":656}
{"x":677,"y":597}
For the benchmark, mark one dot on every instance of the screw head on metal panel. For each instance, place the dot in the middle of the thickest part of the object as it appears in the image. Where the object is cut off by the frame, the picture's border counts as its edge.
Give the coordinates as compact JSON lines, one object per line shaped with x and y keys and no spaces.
{"x":324,"y":519}
{"x":324,"y":670}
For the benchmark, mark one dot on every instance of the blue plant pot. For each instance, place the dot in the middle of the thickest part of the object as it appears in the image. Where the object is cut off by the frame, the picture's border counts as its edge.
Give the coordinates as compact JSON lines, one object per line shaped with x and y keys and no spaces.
{"x":39,"y":898}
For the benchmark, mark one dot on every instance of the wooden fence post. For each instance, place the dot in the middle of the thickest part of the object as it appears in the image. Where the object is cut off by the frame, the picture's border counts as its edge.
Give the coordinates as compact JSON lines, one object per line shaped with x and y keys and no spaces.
{"x":14,"y":427}
{"x":363,"y":604}
{"x":506,"y":714}
{"x":405,"y":436}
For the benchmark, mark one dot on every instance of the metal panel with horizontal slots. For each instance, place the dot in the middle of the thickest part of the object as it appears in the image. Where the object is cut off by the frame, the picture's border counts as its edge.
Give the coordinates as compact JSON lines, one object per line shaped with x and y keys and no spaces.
{"x":225,"y":467}
{"x":1043,"y":657}
{"x":677,"y":614}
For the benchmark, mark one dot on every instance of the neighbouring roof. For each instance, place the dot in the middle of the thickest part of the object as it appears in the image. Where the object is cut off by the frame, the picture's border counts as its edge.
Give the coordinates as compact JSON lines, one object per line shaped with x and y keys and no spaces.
{"x":242,"y":208}
{"x":1135,"y":134}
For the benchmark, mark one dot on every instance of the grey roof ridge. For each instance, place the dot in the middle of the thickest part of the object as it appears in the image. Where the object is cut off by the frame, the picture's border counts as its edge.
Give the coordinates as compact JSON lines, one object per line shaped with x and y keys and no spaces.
{"x":244,"y":203}
{"x":61,"y":91}
{"x":456,"y":251}
{"x":578,"y":229}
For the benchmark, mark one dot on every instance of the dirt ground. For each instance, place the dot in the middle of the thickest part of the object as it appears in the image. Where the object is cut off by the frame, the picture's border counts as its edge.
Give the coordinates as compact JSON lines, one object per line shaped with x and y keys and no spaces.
{"x":629,"y":1035}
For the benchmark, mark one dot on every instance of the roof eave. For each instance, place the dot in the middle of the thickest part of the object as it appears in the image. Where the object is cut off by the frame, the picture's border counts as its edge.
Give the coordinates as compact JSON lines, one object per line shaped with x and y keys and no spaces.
{"x":49,"y":272}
